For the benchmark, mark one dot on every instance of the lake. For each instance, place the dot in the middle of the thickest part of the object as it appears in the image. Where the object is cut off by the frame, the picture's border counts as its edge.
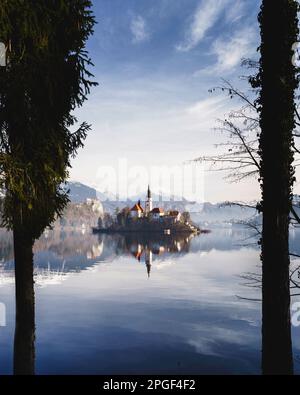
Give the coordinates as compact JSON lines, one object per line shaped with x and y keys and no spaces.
{"x":133,"y":305}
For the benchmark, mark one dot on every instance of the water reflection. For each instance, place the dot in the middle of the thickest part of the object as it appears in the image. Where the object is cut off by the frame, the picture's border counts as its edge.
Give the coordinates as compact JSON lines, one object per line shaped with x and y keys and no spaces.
{"x":58,"y":254}
{"x":61,"y":246}
{"x":98,"y":313}
{"x":147,"y":248}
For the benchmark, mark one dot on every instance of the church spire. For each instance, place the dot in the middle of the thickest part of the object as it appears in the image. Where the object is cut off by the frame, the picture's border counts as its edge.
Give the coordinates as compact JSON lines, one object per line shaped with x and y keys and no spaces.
{"x":148,"y":270}
{"x":149,"y":192}
{"x":148,"y":207}
{"x":148,"y":260}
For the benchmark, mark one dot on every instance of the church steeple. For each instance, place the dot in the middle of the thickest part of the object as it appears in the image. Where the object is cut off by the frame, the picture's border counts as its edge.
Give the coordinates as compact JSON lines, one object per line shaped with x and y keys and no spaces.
{"x":148,"y":260}
{"x":148,"y":270}
{"x":148,"y":206}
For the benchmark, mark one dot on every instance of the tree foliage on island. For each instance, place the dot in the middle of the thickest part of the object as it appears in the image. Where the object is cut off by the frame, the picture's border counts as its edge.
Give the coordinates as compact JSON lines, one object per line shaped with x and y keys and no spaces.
{"x":123,"y":216}
{"x":186,"y":217}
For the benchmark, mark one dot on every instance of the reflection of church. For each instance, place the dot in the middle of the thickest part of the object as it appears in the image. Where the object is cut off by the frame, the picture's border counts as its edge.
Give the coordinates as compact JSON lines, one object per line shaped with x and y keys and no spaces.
{"x":148,"y":261}
{"x":145,"y":248}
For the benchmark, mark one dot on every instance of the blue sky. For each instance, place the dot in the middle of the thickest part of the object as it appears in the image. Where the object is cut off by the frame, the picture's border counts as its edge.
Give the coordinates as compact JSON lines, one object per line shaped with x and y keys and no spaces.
{"x":155,"y":61}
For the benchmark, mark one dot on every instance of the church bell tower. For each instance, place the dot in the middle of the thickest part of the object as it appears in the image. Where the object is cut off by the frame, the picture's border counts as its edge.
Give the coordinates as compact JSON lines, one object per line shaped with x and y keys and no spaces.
{"x":148,"y":207}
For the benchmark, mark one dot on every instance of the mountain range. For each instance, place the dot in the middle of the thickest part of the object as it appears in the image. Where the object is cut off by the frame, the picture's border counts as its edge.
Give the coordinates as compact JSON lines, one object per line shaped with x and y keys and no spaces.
{"x":200,"y":212}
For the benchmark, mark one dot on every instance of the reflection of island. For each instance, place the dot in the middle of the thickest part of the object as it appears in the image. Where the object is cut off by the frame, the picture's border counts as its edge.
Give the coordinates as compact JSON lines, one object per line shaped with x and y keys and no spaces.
{"x":148,"y":248}
{"x":61,"y":254}
{"x":57,"y":255}
{"x":148,"y":219}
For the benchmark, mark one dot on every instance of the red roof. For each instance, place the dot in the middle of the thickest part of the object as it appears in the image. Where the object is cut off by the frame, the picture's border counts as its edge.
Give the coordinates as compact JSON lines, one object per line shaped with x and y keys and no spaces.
{"x":136,"y":207}
{"x":174,"y":213}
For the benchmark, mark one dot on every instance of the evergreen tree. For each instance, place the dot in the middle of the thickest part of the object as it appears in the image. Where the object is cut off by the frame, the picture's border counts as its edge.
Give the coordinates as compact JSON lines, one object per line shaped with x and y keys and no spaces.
{"x":277,"y":80}
{"x":45,"y":79}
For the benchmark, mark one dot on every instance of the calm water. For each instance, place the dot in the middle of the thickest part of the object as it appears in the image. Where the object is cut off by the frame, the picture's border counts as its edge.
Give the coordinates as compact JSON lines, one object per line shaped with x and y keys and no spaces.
{"x":111,"y":305}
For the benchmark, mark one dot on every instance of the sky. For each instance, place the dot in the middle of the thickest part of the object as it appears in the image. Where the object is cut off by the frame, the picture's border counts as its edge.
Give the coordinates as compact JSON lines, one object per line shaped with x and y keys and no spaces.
{"x":155,"y":61}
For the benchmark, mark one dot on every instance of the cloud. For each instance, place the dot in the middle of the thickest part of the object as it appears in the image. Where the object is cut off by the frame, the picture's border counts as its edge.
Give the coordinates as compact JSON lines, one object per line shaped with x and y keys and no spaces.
{"x":230,"y":52}
{"x":139,"y":29}
{"x":209,"y":107}
{"x":204,"y":19}
{"x":236,"y":12}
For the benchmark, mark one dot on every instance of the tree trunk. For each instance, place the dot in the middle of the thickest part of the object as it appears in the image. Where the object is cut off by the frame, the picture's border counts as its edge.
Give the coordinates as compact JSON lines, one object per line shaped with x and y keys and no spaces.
{"x":277,"y":355}
{"x":24,"y":353}
{"x":278,"y":83}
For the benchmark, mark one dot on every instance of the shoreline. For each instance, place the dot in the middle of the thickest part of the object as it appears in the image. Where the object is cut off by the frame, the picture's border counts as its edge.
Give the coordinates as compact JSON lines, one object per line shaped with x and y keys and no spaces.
{"x":147,"y":231}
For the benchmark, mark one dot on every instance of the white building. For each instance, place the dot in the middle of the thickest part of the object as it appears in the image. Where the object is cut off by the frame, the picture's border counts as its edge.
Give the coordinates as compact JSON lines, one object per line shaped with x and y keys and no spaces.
{"x":149,"y":204}
{"x":175,"y":216}
{"x":157,"y":213}
{"x":96,"y":205}
{"x":137,"y":211}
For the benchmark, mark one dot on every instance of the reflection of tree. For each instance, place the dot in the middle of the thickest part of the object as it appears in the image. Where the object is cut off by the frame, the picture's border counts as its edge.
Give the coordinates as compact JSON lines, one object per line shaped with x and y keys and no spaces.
{"x":65,"y":244}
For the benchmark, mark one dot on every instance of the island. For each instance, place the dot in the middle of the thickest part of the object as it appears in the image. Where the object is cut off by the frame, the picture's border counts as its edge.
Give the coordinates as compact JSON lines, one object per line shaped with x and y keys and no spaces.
{"x":149,"y":220}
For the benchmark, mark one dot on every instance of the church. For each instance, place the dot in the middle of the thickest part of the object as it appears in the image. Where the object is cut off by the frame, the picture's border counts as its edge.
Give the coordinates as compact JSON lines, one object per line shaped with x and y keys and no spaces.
{"x":155,"y":214}
{"x":138,"y":211}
